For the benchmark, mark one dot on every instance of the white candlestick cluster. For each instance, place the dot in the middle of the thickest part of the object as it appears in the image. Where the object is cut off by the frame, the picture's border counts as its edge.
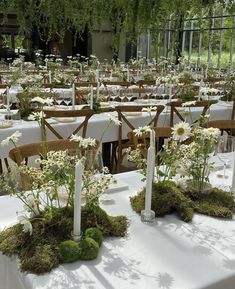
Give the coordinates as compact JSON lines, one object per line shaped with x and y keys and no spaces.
{"x":77,"y":201}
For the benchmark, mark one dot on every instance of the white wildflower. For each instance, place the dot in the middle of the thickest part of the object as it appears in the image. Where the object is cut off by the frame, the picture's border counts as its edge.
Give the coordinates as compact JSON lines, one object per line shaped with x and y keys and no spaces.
{"x":36,"y":116}
{"x":189,"y":103}
{"x":211,"y":132}
{"x":149,"y":109}
{"x":43,"y":101}
{"x":14,"y":138}
{"x":181,"y":131}
{"x":27,"y":226}
{"x":114,"y":119}
{"x":142,"y":130}
{"x":83,"y":142}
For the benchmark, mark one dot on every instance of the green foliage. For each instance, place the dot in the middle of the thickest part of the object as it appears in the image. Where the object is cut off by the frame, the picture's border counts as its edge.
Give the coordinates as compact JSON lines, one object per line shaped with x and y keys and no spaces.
{"x":168,"y":198}
{"x":69,"y":251}
{"x":133,"y":17}
{"x":95,"y":234}
{"x":44,"y":249}
{"x":89,"y":249}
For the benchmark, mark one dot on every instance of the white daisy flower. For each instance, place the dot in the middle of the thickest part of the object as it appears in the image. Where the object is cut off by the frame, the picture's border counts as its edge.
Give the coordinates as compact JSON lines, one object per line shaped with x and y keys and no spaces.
{"x":181,"y":131}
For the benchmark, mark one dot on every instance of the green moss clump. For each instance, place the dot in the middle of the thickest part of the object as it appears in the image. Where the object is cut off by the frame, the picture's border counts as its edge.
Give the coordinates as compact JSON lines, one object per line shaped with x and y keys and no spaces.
{"x":167,"y":198}
{"x":109,"y":225}
{"x":51,"y":229}
{"x":69,"y":251}
{"x":44,"y":259}
{"x":89,"y":249}
{"x":12,"y":240}
{"x":95,"y":234}
{"x":210,"y":209}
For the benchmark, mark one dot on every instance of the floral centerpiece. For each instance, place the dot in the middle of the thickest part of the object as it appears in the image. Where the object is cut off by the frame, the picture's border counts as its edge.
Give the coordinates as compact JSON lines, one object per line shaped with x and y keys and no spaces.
{"x":42,"y":238}
{"x":181,"y":176}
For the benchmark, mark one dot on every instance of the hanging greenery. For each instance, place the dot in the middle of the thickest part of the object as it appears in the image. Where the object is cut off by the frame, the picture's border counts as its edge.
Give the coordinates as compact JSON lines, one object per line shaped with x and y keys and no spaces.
{"x":132,"y":17}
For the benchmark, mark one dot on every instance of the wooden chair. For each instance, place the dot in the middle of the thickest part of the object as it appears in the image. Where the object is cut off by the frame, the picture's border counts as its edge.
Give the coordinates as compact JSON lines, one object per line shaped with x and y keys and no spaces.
{"x":82,"y":126}
{"x":123,"y":144}
{"x":21,"y":153}
{"x":175,"y":111}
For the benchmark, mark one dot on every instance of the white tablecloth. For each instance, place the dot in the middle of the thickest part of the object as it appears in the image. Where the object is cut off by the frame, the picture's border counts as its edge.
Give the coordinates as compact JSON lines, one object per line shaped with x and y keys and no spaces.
{"x":168,"y":254}
{"x":31,"y":131}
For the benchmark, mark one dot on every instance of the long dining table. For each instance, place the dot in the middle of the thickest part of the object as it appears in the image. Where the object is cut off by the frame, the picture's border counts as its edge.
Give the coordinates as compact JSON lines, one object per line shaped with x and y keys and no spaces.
{"x":167,"y":254}
{"x":99,"y":123}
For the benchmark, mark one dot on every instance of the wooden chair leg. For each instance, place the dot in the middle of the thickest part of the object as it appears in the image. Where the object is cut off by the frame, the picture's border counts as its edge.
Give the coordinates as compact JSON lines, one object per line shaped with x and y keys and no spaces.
{"x":114,"y":158}
{"x":7,"y":164}
{"x":1,"y":168}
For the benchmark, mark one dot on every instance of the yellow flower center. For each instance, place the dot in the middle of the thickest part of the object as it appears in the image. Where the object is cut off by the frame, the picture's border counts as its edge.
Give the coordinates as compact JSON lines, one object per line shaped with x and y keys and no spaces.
{"x":180,"y":131}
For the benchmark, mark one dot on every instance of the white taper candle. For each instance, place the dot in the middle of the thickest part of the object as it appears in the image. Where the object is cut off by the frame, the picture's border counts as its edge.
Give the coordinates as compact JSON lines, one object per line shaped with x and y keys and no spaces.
{"x":233,"y":180}
{"x":91,"y":98}
{"x":73,"y":96}
{"x":149,"y":178}
{"x":77,"y":200}
{"x":49,"y":76}
{"x":98,"y":90}
{"x":8,"y":98}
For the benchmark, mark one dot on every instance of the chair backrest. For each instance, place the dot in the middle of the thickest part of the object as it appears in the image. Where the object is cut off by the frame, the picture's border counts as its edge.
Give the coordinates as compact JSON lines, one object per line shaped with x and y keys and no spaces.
{"x":85,"y":84}
{"x":21,"y":153}
{"x":82,"y":126}
{"x":81,"y":96}
{"x":4,"y":85}
{"x":116,"y":83}
{"x":175,"y":105}
{"x":223,"y":125}
{"x":142,"y":83}
{"x":121,"y":110}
